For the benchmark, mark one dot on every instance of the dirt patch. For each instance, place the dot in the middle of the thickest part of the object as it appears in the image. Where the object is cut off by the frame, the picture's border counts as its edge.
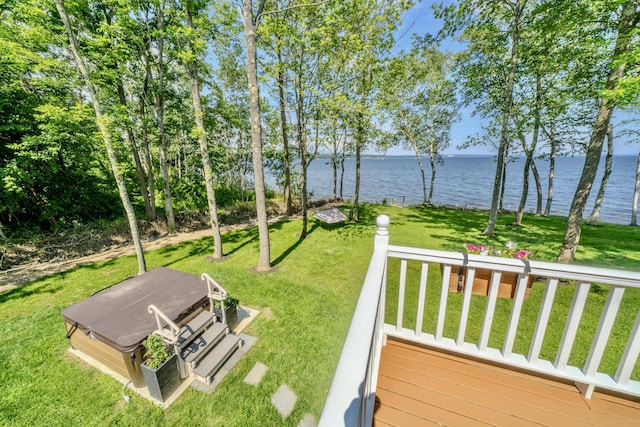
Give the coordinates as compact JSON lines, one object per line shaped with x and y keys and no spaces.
{"x":64,"y":251}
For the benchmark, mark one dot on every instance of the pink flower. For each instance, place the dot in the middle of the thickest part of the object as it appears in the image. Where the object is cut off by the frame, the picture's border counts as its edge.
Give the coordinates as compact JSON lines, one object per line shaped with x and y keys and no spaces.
{"x":522,"y":254}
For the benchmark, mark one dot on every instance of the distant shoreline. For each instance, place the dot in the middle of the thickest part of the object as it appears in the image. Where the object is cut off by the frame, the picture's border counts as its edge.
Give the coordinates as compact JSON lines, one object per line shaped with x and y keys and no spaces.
{"x":445,"y":156}
{"x":466,"y":180}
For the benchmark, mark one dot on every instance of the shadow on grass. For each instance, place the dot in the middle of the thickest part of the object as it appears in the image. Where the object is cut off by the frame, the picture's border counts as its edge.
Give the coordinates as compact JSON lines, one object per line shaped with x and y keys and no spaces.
{"x":293,"y":247}
{"x":367,"y":216}
{"x":30,"y":289}
{"x":239,"y":239}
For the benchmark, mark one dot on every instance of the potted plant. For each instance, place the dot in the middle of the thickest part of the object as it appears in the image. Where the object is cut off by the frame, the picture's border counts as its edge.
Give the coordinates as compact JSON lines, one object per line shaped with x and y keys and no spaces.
{"x":160,"y":367}
{"x":231,"y":311}
{"x":482,"y":277}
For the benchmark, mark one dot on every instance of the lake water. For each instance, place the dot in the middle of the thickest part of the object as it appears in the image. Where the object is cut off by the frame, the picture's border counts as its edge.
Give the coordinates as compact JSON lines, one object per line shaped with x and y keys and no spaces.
{"x":467,"y":181}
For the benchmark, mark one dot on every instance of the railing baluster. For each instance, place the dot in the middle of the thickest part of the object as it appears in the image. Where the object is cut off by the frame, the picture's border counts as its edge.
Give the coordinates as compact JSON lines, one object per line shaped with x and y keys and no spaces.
{"x":571,"y":327}
{"x":403,"y":281}
{"x":514,"y":319}
{"x":444,"y":293}
{"x":607,"y":318}
{"x":466,"y":304}
{"x":381,"y":339}
{"x":421,"y":297}
{"x":351,"y":397}
{"x":543,"y":319}
{"x":490,"y":309}
{"x":630,"y":354}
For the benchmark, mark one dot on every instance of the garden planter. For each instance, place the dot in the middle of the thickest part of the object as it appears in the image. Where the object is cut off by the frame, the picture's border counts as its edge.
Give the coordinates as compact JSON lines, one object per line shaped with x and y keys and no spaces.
{"x":163,"y":381}
{"x":481,"y":281}
{"x":232,"y":316}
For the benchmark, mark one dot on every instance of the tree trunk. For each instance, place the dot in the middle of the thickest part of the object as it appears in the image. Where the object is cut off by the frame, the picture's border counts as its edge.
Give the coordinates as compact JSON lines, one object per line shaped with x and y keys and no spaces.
{"x":285,"y":137}
{"x":256,"y":136}
{"x":552,"y":171}
{"x":626,"y":28}
{"x":342,"y":172}
{"x":162,"y":138}
{"x":534,"y":142}
{"x":636,"y":188}
{"x":142,"y":179}
{"x":536,"y":179}
{"x":106,"y":136}
{"x":424,"y":178}
{"x":525,"y":189}
{"x":529,"y":152}
{"x":334,"y":165}
{"x":303,"y":184}
{"x":504,"y":133}
{"x":432,"y":162}
{"x":147,"y":150}
{"x":302,"y":153}
{"x":595,"y":213}
{"x":192,"y":73}
{"x":359,"y":137}
{"x":503,"y":178}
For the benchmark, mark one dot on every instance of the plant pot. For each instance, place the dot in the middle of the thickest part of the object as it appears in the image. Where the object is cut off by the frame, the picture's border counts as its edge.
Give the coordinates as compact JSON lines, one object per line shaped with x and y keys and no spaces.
{"x":232,"y":316}
{"x":481,"y":280}
{"x":163,"y":381}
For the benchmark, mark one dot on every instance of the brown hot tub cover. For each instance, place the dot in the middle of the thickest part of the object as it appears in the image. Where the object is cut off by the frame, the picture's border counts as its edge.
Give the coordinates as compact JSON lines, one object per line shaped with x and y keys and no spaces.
{"x":119,"y":317}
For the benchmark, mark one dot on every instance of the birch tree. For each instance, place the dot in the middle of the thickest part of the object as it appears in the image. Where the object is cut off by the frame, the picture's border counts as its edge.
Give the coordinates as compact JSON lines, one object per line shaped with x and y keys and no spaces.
{"x":155,"y":49}
{"x":421,"y":104}
{"x":490,"y":67}
{"x":102,"y":122}
{"x":191,"y":64}
{"x":624,"y":24}
{"x":594,"y":218}
{"x":371,"y":25}
{"x":636,"y":190}
{"x":250,"y":22}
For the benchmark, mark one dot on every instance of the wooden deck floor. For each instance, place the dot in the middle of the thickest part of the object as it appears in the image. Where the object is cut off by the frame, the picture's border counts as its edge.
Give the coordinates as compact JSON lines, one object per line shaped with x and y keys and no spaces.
{"x":420,"y":387}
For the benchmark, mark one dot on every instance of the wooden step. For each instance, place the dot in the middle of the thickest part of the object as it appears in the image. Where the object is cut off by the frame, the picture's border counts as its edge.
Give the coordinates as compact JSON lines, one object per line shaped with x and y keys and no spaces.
{"x":216,"y":358}
{"x":204,"y":343}
{"x":195,"y":327}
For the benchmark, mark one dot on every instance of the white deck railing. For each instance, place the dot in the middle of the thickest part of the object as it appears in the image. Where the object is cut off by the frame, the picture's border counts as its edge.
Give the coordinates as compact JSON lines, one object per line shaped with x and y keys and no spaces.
{"x":351,"y":397}
{"x":350,"y":401}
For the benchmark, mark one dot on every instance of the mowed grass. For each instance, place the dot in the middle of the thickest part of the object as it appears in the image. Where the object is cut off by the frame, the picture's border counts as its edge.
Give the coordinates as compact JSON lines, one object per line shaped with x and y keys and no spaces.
{"x":305,"y":310}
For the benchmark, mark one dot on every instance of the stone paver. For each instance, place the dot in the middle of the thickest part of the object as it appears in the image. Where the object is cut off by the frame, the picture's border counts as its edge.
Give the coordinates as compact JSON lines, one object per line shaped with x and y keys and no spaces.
{"x":307,"y":421}
{"x":255,"y":375}
{"x":284,"y":400}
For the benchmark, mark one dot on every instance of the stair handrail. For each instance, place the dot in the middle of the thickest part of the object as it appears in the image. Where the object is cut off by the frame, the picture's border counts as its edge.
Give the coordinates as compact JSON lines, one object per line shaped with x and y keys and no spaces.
{"x":171,"y":335}
{"x":216,"y":293}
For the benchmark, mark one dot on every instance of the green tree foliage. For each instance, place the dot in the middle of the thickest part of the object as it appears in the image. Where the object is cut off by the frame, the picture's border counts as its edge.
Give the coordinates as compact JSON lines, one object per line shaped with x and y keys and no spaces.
{"x":420,"y":100}
{"x":57,"y":172}
{"x":50,"y":170}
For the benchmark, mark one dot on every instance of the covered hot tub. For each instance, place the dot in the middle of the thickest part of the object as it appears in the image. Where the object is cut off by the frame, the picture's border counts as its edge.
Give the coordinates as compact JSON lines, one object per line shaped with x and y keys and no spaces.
{"x":111,"y":325}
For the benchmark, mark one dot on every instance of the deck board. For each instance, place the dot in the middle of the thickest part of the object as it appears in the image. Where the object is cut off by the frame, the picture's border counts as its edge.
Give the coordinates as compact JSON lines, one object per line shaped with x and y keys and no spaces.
{"x":419,"y":386}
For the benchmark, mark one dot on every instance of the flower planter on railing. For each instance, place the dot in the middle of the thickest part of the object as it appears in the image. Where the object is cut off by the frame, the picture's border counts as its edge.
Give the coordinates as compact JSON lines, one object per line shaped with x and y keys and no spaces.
{"x":482,"y":279}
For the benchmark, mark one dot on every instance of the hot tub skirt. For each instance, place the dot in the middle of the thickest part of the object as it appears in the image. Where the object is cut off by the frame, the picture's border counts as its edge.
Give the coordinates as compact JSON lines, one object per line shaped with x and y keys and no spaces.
{"x":125,"y":364}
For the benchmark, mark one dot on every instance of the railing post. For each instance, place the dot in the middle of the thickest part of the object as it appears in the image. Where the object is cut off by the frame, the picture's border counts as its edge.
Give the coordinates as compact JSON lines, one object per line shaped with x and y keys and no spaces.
{"x":381,"y":241}
{"x":170,"y":334}
{"x":216,"y":293}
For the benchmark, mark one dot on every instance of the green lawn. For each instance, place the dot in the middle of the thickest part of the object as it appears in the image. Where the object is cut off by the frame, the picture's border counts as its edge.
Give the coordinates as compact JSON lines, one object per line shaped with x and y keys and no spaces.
{"x":306,"y":307}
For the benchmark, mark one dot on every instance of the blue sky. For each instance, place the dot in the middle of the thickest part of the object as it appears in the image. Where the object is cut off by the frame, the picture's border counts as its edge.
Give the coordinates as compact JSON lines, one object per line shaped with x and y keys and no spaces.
{"x":420,"y":20}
